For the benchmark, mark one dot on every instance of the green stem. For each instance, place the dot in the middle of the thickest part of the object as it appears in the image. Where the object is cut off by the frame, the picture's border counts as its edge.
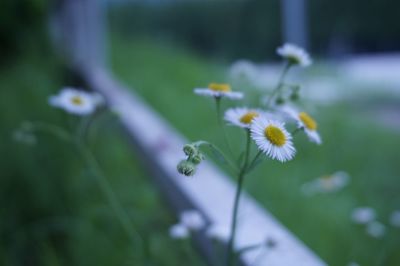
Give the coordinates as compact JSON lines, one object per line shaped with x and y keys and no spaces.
{"x":239,"y":186}
{"x":251,"y":164}
{"x":219,"y":118}
{"x":52,"y":129}
{"x":219,"y":151}
{"x":280,"y":83}
{"x":105,"y":187}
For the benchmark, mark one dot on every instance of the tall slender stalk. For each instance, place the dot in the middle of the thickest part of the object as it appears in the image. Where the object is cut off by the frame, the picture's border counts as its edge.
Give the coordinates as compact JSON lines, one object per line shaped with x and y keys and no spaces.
{"x":219,"y":119}
{"x":239,"y":188}
{"x":280,"y":83}
{"x":106,"y":189}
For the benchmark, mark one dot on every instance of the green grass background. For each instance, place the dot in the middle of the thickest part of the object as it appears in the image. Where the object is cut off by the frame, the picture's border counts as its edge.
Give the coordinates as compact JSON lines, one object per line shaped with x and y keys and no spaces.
{"x":51,"y":209}
{"x":165,"y":75}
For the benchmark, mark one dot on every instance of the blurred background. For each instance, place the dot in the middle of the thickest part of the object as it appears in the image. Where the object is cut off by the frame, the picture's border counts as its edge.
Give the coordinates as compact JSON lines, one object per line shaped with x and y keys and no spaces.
{"x":52,"y":214}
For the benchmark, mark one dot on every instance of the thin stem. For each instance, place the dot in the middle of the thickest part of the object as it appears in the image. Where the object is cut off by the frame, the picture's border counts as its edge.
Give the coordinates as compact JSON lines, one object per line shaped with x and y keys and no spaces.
{"x":280,"y":83}
{"x":219,"y":151}
{"x":297,"y":130}
{"x":52,"y":129}
{"x":239,"y":186}
{"x":219,"y":118}
{"x":111,"y":197}
{"x":251,"y":164}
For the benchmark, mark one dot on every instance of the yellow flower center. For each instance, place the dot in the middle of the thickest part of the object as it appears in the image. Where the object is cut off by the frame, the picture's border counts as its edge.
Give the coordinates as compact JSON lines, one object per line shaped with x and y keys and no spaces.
{"x":308,"y":121}
{"x":248,"y":117}
{"x":275,"y":135}
{"x":222,"y":87}
{"x":76,"y":100}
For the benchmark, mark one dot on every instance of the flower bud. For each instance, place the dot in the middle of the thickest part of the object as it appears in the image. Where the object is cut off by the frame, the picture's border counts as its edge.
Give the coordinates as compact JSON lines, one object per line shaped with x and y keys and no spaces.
{"x":294,"y":96}
{"x":197,"y":158}
{"x":280,"y":101}
{"x":190,"y":150}
{"x":186,"y":168}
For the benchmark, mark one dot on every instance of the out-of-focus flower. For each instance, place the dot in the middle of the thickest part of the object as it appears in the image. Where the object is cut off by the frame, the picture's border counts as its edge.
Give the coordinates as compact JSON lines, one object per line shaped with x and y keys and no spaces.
{"x":218,"y":90}
{"x":326,"y":183}
{"x":179,"y":231}
{"x":352,"y":263}
{"x":363,"y":215}
{"x":294,"y":54}
{"x":25,"y":137}
{"x":376,"y":229}
{"x":192,"y":219}
{"x":242,"y":116}
{"x":395,"y":218}
{"x":219,"y":232}
{"x":305,"y":122}
{"x":272,"y":138}
{"x":75,"y":101}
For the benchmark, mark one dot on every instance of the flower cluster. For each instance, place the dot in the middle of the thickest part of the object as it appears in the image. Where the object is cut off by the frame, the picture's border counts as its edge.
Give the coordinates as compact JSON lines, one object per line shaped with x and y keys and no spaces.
{"x":266,"y":124}
{"x":271,"y":126}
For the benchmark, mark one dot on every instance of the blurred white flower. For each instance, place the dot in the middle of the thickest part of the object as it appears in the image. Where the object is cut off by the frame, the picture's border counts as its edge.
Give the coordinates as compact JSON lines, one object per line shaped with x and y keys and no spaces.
{"x":192,"y":219}
{"x":395,"y":218}
{"x":326,"y":183}
{"x":179,"y":231}
{"x":243,"y":116}
{"x":218,"y":90}
{"x":294,"y":54}
{"x":75,"y":101}
{"x":272,"y":138}
{"x":363,"y":215}
{"x":25,"y":137}
{"x":304,"y":121}
{"x":219,"y":232}
{"x":243,"y":69}
{"x":376,"y":229}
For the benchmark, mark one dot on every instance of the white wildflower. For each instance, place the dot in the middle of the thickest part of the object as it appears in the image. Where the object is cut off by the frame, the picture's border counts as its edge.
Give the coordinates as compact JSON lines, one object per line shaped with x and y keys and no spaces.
{"x":363,"y":215}
{"x":272,"y":138}
{"x":179,"y":231}
{"x":75,"y":101}
{"x":294,"y":54}
{"x":192,"y":219}
{"x":217,"y":90}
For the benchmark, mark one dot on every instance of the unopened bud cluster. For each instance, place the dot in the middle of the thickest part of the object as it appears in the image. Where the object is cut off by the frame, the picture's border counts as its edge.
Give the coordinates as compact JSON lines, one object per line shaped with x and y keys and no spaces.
{"x":188,"y":167}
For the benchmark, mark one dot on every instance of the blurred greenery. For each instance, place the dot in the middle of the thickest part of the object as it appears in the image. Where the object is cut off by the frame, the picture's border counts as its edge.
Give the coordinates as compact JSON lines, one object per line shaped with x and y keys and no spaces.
{"x":165,"y":76}
{"x":51,"y":208}
{"x":21,"y":22}
{"x":252,"y":28}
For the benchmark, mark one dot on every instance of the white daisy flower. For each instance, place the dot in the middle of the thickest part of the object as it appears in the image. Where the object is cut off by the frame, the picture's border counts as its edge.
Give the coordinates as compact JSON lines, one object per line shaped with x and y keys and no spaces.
{"x":363,"y":215}
{"x":179,"y":231}
{"x":376,"y":229}
{"x":243,"y":116}
{"x":305,"y":122}
{"x":327,"y":183}
{"x":272,"y":138}
{"x":218,"y":90}
{"x":395,"y":218}
{"x":192,"y":219}
{"x":294,"y":54}
{"x":219,"y":232}
{"x":75,"y":101}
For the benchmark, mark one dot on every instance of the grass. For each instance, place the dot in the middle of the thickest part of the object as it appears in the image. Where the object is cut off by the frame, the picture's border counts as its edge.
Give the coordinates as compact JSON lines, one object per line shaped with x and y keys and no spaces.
{"x":52,"y":211}
{"x":165,"y":75}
